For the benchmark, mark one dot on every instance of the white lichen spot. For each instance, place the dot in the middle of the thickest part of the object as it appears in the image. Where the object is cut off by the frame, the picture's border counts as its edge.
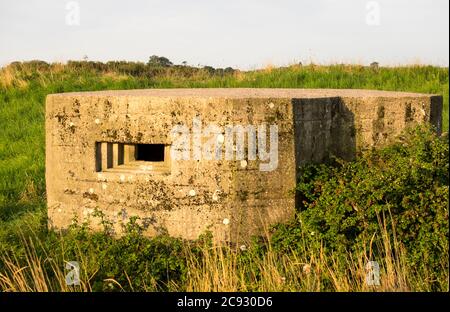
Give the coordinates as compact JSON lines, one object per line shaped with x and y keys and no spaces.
{"x":226,"y":221}
{"x":271,"y":105}
{"x":130,"y":178}
{"x":91,"y":190}
{"x":97,"y":121}
{"x":59,"y":210}
{"x":71,"y":124}
{"x":220,"y":138}
{"x":192,"y":193}
{"x":122,"y":178}
{"x":243,"y":248}
{"x":243,"y":163}
{"x":104,"y":186}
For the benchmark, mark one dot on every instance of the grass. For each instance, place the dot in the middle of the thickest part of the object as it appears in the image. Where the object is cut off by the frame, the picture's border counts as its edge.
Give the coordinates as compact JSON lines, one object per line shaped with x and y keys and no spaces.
{"x":226,"y":269}
{"x":29,"y":261}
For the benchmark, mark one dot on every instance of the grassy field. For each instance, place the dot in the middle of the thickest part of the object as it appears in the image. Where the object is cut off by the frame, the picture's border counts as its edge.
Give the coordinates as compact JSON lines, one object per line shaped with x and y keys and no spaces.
{"x":33,"y":259}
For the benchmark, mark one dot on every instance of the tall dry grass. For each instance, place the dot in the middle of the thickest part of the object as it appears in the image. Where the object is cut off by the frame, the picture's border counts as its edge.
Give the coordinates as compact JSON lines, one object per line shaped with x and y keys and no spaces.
{"x":220,"y":268}
{"x":310,"y":270}
{"x":10,"y":78}
{"x":36,"y":273}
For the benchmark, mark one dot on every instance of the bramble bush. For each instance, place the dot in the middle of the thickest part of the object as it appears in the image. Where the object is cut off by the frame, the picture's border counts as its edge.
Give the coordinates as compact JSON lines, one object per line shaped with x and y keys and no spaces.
{"x":404,"y":186}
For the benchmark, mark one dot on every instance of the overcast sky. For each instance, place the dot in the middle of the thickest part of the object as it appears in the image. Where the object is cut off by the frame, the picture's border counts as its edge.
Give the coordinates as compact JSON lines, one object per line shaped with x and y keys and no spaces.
{"x":239,"y":33}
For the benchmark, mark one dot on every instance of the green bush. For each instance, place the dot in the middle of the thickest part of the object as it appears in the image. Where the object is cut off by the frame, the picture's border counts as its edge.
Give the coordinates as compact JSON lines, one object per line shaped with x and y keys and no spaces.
{"x":404,"y":186}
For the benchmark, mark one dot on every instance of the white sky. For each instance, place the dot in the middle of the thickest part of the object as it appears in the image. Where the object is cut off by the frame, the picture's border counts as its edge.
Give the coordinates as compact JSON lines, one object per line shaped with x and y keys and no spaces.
{"x":239,"y":33}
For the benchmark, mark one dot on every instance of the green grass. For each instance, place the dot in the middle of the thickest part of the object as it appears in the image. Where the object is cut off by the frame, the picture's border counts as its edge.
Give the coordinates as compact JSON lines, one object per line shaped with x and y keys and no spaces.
{"x":23,"y":88}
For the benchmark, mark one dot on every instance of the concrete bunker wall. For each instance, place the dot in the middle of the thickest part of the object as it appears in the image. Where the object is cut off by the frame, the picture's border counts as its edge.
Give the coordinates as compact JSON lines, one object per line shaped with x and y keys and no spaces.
{"x":91,"y":139}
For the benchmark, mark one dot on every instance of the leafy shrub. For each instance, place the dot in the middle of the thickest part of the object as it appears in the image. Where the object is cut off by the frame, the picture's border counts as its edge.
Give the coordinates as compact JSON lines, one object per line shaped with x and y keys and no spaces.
{"x":132,"y":260}
{"x":404,"y":186}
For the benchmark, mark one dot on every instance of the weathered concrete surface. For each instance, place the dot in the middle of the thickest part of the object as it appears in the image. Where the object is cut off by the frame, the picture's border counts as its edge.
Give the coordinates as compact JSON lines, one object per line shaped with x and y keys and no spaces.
{"x":188,"y":197}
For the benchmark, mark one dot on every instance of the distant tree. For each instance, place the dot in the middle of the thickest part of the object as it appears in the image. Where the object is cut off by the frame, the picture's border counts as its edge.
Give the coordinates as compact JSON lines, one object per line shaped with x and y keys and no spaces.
{"x":36,"y":65}
{"x":15,"y":64}
{"x":184,"y":63}
{"x":219,"y":71}
{"x":229,"y":70}
{"x":374,"y":65}
{"x":159,"y":61}
{"x":209,"y":69}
